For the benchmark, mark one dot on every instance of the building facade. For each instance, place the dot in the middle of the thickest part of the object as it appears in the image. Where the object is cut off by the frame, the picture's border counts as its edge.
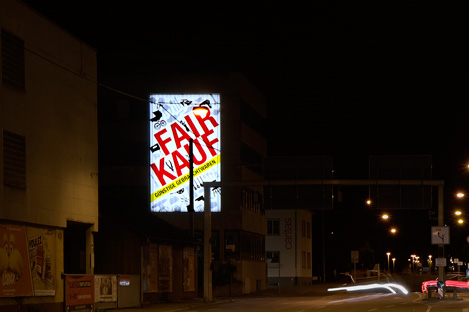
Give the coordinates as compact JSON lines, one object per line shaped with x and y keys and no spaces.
{"x":239,"y":228}
{"x":48,"y":158}
{"x":289,"y":247}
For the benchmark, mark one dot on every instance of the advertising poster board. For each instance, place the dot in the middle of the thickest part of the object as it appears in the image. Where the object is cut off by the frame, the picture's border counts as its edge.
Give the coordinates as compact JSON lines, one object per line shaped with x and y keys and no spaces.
{"x":105,"y":288}
{"x":42,"y":259}
{"x":150,"y":268}
{"x":189,"y":269}
{"x":79,"y":291}
{"x":173,"y":123}
{"x":165,"y":268}
{"x":14,"y":262}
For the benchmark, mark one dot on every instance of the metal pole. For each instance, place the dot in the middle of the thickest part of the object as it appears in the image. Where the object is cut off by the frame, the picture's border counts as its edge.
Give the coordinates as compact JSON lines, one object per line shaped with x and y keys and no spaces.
{"x":207,"y":245}
{"x":190,"y":207}
{"x":441,"y":247}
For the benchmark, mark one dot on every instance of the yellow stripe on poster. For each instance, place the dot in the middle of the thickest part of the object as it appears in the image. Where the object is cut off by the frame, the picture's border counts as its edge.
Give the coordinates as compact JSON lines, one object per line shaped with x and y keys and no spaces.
{"x":185,"y":178}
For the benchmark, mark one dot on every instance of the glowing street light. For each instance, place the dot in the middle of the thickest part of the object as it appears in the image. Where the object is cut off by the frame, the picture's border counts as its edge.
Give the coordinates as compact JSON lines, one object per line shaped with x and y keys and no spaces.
{"x":393,"y":230}
{"x":200,"y":110}
{"x":393,"y":265}
{"x":368,"y":202}
{"x":388,"y":254}
{"x":385,"y":216}
{"x":460,"y":195}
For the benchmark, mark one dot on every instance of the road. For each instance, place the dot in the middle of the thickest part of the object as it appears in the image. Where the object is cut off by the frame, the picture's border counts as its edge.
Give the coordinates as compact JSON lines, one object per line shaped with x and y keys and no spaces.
{"x":318,"y":299}
{"x":350,"y":302}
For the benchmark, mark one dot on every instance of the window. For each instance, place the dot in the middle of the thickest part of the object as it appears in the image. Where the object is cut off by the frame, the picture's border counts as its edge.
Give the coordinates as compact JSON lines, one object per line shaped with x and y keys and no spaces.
{"x":252,"y":246}
{"x":12,"y":60}
{"x":273,"y":256}
{"x":273,"y":226}
{"x":308,"y":229}
{"x":251,"y":200}
{"x":14,"y":159}
{"x":252,"y":118}
{"x":251,"y":159}
{"x":309,"y":260}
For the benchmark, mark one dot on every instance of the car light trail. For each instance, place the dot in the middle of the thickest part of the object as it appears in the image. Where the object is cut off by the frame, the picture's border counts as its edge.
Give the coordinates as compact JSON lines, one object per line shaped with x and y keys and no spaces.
{"x":457,"y":284}
{"x":388,"y":286}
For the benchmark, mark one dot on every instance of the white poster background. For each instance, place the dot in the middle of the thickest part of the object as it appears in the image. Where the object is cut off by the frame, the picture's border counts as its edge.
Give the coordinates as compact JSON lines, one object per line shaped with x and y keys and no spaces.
{"x":172,"y":124}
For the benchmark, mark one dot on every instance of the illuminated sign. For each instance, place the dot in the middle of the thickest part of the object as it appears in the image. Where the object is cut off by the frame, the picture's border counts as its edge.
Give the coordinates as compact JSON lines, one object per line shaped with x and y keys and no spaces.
{"x":175,"y":119}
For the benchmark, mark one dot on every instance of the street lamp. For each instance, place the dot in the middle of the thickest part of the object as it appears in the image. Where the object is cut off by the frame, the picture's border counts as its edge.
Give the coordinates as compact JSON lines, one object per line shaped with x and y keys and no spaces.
{"x":388,"y":254}
{"x":393,"y":265}
{"x":413,"y":261}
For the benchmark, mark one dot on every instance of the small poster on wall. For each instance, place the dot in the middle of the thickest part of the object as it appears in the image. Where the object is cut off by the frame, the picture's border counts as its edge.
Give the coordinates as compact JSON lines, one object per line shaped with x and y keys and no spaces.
{"x":105,"y":288}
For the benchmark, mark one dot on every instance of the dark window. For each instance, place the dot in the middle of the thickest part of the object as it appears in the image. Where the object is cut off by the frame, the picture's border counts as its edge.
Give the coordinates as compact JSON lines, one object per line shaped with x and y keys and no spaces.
{"x":273,"y":256}
{"x":251,"y":159}
{"x":252,"y":118}
{"x":231,"y":245}
{"x":252,"y":246}
{"x":12,"y":60}
{"x":273,"y":227}
{"x":252,"y":201}
{"x":14,"y":159}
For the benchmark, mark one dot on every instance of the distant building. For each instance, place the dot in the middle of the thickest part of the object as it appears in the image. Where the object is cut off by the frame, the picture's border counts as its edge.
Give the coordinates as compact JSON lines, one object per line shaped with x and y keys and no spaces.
{"x":305,"y":206}
{"x":289,"y":247}
{"x":48,"y":158}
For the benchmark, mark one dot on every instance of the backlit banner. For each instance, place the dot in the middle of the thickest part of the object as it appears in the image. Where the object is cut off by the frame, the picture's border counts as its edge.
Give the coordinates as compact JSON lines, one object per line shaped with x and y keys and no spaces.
{"x":173,"y":122}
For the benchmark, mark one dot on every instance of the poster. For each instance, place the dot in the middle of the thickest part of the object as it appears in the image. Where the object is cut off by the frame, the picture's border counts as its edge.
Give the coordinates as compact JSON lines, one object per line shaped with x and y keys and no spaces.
{"x":189,"y":269}
{"x":42,"y":261}
{"x":165,"y":268}
{"x":14,"y":262}
{"x":105,"y":288}
{"x":173,"y":123}
{"x":79,"y":290}
{"x":150,"y":268}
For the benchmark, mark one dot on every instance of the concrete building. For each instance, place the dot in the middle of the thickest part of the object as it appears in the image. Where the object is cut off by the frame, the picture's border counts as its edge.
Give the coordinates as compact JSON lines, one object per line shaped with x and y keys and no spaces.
{"x":48,"y":157}
{"x":288,"y":247}
{"x":239,"y":229}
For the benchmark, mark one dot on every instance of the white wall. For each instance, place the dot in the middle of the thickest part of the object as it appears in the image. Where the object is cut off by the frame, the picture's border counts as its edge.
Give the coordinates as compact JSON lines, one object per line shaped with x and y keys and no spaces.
{"x":290,"y":242}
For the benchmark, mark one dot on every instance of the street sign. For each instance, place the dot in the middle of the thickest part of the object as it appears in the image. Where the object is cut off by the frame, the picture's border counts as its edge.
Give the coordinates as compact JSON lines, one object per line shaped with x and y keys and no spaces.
{"x":440,"y":235}
{"x":441,"y":290}
{"x":440,"y":262}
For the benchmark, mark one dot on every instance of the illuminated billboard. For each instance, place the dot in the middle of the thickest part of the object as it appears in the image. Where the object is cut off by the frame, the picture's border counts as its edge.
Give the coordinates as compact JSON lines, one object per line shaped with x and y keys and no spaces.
{"x":174,"y":121}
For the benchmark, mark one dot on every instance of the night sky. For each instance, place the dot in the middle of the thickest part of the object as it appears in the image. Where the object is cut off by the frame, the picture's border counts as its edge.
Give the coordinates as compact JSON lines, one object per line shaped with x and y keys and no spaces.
{"x":344,"y":79}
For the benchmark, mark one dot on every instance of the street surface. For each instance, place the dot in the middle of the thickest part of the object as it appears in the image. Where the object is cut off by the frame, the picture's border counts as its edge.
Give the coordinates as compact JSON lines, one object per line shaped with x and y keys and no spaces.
{"x":318,"y":299}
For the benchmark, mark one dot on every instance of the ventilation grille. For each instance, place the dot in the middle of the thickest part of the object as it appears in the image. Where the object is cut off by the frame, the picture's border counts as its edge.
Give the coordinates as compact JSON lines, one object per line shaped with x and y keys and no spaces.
{"x":12,"y":60}
{"x":14,"y":159}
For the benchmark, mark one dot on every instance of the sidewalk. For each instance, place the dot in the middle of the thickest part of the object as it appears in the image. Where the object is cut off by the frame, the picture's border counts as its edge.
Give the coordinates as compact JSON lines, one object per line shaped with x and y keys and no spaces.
{"x":313,"y":290}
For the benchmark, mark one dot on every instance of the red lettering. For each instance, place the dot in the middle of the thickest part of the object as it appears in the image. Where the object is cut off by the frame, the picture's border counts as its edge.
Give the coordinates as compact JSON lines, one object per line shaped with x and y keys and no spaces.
{"x":179,"y":162}
{"x":192,"y":126}
{"x":160,"y":173}
{"x":162,"y":142}
{"x":210,"y":143}
{"x":207,"y":117}
{"x":202,"y":153}
{"x":179,"y":134}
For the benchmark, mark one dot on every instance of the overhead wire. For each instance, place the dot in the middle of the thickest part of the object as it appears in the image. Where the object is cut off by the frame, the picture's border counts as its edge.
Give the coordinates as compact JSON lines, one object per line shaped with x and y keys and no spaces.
{"x":100,"y":84}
